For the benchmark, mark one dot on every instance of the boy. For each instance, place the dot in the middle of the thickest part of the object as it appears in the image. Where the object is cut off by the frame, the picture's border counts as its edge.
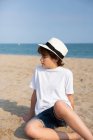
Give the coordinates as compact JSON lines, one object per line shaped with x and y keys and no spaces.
{"x":52,"y":101}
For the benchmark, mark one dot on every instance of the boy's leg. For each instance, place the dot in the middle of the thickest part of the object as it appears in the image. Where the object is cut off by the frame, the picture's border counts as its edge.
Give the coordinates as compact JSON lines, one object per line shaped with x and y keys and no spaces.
{"x":63,"y":111}
{"x":35,"y":129}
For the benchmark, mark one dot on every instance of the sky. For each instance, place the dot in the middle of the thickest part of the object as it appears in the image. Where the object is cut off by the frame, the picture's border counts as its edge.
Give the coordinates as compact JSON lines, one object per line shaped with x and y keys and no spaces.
{"x":36,"y":21}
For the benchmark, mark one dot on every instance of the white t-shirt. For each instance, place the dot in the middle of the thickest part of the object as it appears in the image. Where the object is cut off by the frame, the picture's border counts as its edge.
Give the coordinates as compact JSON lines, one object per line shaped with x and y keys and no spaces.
{"x":51,"y":85}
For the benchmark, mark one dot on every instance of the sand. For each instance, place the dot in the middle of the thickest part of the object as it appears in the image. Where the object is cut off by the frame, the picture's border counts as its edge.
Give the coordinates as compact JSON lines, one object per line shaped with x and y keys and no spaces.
{"x":15,"y":75}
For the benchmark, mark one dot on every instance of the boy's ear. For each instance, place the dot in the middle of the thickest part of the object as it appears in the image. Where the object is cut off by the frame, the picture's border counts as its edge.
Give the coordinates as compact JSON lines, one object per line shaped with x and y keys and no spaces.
{"x":55,"y":60}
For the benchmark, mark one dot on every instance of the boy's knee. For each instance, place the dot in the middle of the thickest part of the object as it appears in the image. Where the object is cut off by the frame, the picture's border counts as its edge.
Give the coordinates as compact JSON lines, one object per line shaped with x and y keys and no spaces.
{"x":30,"y":130}
{"x":59,"y":108}
{"x":59,"y":105}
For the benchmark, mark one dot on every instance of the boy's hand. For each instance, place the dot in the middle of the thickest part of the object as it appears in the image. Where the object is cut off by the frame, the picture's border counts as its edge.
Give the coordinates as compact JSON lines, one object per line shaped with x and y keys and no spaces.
{"x":26,"y":117}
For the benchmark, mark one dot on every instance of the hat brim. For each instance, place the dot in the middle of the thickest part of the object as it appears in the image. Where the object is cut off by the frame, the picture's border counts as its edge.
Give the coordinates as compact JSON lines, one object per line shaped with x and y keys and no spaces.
{"x":46,"y":47}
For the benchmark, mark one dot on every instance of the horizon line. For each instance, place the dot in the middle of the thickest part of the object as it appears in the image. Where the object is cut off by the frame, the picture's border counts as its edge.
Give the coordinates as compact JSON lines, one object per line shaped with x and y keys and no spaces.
{"x":43,"y":43}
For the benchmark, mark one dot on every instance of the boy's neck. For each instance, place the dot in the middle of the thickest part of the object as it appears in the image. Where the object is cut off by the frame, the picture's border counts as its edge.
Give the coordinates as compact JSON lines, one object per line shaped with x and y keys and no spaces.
{"x":53,"y":66}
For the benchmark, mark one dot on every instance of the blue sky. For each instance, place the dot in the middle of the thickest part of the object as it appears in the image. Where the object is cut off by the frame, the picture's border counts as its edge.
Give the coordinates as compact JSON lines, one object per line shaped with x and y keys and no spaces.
{"x":36,"y":21}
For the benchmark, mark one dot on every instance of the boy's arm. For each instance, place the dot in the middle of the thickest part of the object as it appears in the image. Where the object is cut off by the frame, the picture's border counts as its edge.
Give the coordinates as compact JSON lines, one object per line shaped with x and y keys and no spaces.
{"x":31,"y":112}
{"x":33,"y":102}
{"x":71,"y":99}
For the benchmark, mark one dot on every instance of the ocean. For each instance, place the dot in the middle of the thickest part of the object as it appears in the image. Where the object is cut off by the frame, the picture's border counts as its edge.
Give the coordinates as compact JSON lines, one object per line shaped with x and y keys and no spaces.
{"x":76,"y":50}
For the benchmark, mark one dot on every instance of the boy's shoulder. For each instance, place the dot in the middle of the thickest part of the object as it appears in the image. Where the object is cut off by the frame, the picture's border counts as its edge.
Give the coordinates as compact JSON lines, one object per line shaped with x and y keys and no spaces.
{"x":38,"y":68}
{"x":67,"y":71}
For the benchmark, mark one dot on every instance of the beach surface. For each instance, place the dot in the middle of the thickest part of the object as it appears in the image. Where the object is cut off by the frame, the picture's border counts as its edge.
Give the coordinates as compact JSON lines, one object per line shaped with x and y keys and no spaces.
{"x":15,"y":94}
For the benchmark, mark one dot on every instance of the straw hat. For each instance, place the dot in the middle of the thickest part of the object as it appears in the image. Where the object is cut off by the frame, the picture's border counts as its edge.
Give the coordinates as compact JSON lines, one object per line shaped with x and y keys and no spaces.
{"x":56,"y":46}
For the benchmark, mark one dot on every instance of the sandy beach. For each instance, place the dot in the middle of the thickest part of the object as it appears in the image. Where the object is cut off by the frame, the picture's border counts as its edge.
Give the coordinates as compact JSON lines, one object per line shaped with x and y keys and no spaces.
{"x":15,"y":75}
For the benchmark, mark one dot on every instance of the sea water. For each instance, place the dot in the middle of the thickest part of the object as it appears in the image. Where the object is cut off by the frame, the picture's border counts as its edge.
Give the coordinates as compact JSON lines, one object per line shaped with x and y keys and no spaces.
{"x":76,"y":50}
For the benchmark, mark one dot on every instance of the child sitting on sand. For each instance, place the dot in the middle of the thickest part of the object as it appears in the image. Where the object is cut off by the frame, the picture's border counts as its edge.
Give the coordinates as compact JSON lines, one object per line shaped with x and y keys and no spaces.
{"x":52,"y":100}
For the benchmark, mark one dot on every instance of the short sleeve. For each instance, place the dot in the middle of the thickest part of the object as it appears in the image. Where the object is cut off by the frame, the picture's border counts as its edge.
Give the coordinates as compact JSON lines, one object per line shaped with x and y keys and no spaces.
{"x":69,"y":83}
{"x":32,"y":83}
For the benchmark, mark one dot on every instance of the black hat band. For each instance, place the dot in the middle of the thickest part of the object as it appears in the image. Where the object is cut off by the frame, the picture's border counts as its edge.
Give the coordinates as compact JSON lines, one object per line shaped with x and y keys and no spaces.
{"x":53,"y":49}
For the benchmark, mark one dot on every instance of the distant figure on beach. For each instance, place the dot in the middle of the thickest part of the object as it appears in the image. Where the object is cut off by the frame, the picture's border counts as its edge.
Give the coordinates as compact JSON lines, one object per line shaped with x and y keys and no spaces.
{"x":52,"y":103}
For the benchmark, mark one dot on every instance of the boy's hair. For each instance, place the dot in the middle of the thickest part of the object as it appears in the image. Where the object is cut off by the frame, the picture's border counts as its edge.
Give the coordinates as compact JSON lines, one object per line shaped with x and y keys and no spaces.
{"x":45,"y":52}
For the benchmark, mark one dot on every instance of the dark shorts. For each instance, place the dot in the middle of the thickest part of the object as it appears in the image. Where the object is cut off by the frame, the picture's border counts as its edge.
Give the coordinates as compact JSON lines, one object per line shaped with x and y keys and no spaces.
{"x":49,"y":119}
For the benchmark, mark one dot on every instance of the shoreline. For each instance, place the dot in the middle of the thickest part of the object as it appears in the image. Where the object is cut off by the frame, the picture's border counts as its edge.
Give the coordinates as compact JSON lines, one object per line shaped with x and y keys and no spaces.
{"x":32,"y":55}
{"x":16,"y":72}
